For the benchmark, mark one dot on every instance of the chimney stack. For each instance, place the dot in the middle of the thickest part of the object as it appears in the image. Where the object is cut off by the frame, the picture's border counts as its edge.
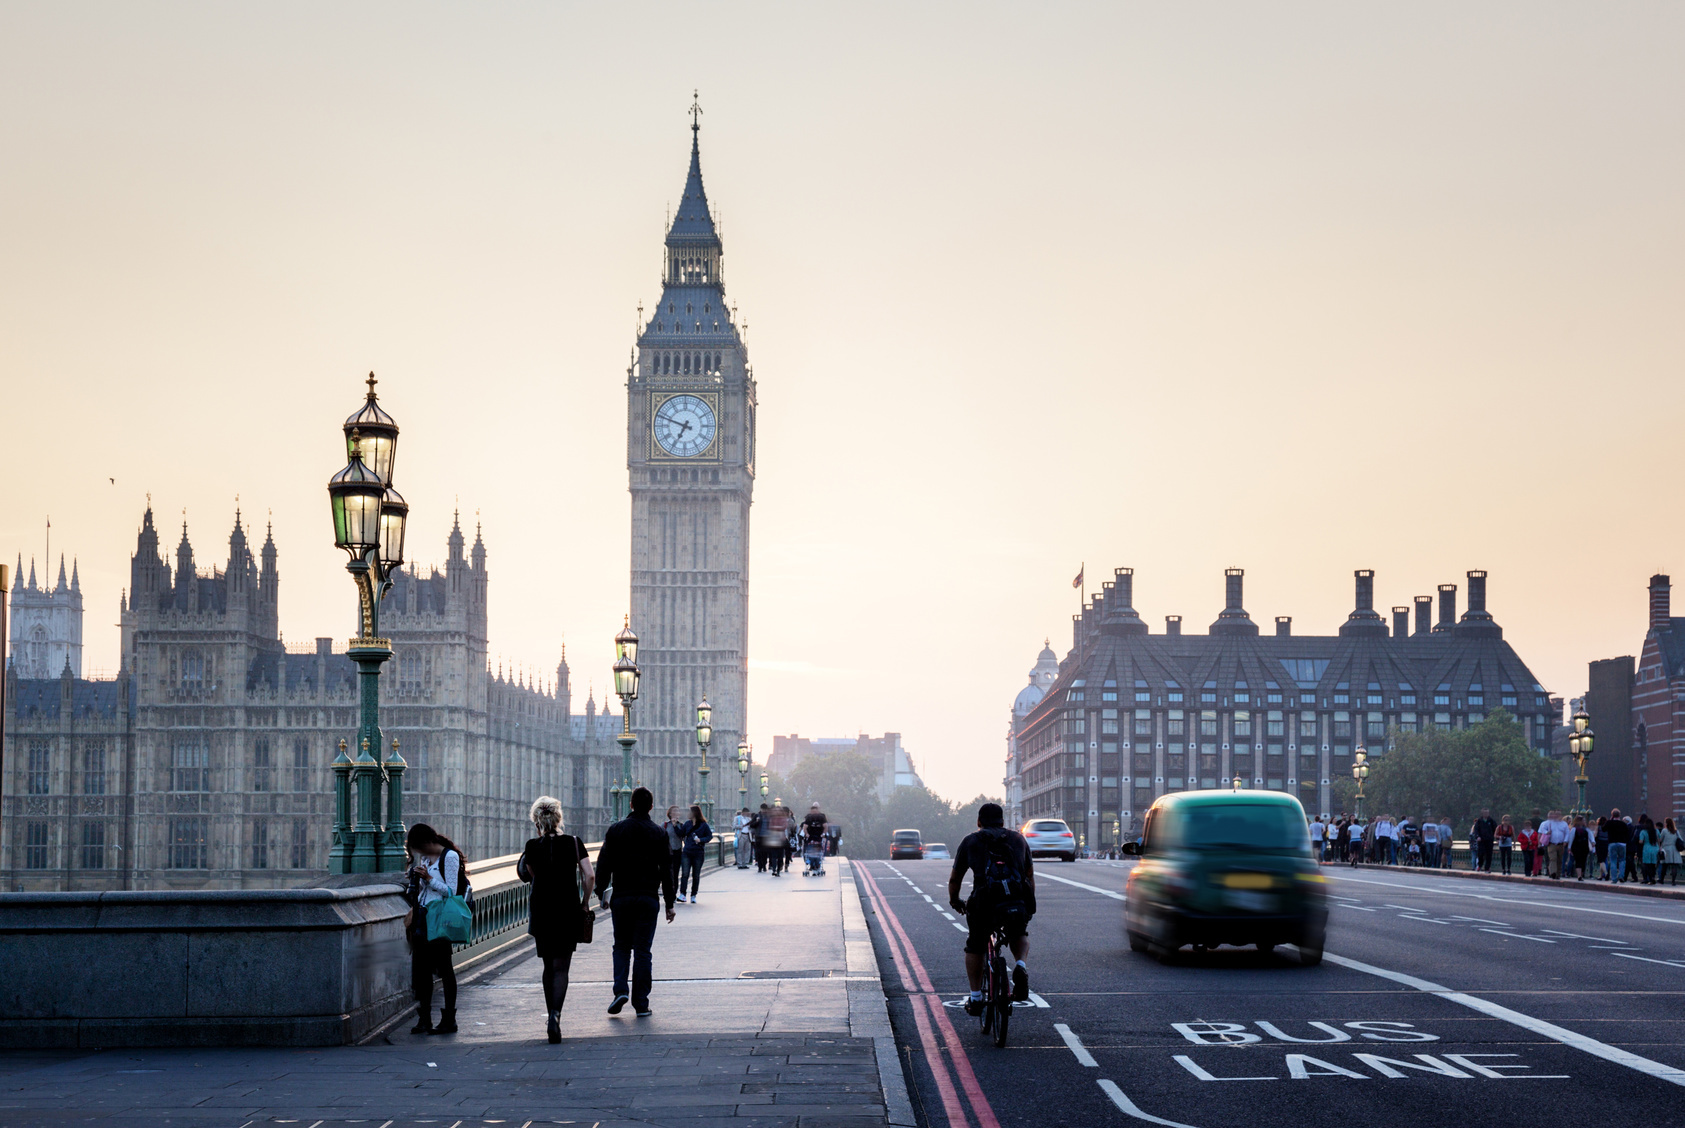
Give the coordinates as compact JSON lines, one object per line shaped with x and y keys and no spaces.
{"x":1173,"y":625}
{"x":1477,"y":596}
{"x":1401,"y":622}
{"x":1424,"y":614}
{"x":1234,"y":620}
{"x":1283,"y":626}
{"x":1363,"y":620}
{"x":1660,"y":613}
{"x":1120,"y":617}
{"x":1447,"y":608}
{"x":1365,"y":589}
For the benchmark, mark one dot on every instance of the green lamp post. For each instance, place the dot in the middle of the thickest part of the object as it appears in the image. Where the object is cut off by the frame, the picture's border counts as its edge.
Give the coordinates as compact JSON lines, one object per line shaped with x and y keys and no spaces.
{"x":369,"y":517}
{"x":705,"y":737}
{"x":626,"y":688}
{"x":1579,"y":746}
{"x":1360,"y":772}
{"x":742,"y":773}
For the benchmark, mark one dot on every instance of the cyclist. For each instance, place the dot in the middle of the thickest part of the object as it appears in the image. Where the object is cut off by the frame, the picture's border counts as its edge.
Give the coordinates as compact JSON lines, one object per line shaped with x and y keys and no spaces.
{"x":1003,"y":894}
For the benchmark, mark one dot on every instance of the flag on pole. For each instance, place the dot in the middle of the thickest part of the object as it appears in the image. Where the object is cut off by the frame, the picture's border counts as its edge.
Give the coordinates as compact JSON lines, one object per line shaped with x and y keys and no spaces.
{"x":1077,"y":583}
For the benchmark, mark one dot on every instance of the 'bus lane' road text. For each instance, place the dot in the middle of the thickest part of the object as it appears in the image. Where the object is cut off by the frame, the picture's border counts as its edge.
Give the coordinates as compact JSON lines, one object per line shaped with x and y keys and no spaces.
{"x":1353,"y":1064}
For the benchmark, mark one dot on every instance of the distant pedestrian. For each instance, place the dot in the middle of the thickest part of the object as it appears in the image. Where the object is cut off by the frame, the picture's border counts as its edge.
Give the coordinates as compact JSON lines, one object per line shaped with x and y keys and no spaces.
{"x":1506,"y":843}
{"x":675,"y":829}
{"x":436,"y":871}
{"x":556,"y":866}
{"x":762,"y":830}
{"x":697,"y":835}
{"x":1620,"y":835}
{"x":1648,"y":844}
{"x":742,"y":840}
{"x":1430,"y":843}
{"x":633,"y":873}
{"x":1528,"y":839}
{"x":1632,"y":849}
{"x":1481,"y":836}
{"x":1600,"y":843}
{"x":1673,"y":848}
{"x":1579,"y":847}
{"x":1444,"y":842}
{"x":1319,"y":831}
{"x":1554,"y":833}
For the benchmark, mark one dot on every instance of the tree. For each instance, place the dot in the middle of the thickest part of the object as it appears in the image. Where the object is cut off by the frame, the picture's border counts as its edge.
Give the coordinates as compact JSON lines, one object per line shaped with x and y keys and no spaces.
{"x":1457,"y":773}
{"x":844,"y":784}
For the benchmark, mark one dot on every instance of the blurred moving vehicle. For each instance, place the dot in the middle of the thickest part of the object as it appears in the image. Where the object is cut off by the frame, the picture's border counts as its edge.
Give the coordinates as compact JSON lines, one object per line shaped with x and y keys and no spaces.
{"x":1226,"y":867}
{"x":938,"y":851}
{"x":906,"y":844}
{"x":1050,"y":837}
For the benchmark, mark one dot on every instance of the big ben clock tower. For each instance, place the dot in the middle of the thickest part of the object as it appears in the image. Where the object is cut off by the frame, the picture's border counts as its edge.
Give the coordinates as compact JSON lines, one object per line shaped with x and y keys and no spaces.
{"x":690,"y":461}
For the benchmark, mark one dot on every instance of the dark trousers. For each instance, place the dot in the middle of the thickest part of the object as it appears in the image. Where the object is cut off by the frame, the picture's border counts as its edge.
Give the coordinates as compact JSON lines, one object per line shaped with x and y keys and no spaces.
{"x":426,"y":958}
{"x":1483,"y":855}
{"x":673,"y":869}
{"x":691,"y":871}
{"x":634,"y":931}
{"x":760,"y":857}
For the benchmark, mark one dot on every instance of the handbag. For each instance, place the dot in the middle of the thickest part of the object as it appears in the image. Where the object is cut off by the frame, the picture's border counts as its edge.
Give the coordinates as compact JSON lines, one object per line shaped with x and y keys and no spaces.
{"x":450,"y":918}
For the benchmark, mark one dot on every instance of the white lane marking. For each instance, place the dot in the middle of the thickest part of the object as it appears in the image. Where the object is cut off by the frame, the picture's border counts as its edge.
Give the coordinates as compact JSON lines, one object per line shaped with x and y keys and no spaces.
{"x":1038,"y":1000}
{"x":1430,"y":920}
{"x":1405,"y":908}
{"x":961,"y":927}
{"x":1515,"y":935}
{"x":1359,"y":908}
{"x":1647,"y":959}
{"x":1090,"y":888}
{"x":1514,"y":900}
{"x":926,"y":896}
{"x":1577,"y":936}
{"x":1127,"y":1107}
{"x":1074,"y":1044}
{"x":1550,"y":1030}
{"x":1483,"y":920}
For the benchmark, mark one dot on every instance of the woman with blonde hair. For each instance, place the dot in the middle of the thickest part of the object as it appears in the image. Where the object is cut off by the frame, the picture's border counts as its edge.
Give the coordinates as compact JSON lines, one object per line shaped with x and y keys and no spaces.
{"x":560,"y":873}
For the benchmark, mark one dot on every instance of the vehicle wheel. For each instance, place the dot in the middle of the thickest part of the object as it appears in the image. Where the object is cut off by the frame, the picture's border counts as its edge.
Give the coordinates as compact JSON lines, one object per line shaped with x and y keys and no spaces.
{"x":1070,"y":857}
{"x":1310,"y":950}
{"x":1002,"y":1003}
{"x":1163,"y":953}
{"x":1137,"y":942}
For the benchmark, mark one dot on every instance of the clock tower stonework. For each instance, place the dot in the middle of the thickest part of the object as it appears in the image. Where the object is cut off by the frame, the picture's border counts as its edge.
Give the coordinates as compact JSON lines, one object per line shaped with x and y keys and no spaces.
{"x":690,"y":461}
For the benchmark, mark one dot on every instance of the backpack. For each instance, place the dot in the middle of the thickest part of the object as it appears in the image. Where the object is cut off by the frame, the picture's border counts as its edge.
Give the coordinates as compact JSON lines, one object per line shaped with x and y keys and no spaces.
{"x":999,"y":881}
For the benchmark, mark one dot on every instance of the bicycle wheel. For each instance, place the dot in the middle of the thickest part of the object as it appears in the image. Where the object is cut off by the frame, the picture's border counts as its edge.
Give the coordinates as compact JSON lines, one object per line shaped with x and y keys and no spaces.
{"x":1001,"y":1001}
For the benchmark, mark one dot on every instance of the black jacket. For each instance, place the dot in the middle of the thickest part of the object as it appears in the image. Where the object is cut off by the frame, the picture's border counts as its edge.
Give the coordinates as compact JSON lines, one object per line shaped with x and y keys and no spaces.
{"x":633,"y":858}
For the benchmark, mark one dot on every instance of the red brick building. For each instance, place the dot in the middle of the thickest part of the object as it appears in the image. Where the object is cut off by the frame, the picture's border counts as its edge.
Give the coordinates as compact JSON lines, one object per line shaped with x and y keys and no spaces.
{"x":1658,"y":710}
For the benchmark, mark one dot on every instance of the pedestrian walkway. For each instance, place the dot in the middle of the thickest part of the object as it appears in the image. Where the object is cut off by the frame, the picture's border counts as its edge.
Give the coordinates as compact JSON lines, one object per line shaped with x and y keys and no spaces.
{"x":768,"y":1013}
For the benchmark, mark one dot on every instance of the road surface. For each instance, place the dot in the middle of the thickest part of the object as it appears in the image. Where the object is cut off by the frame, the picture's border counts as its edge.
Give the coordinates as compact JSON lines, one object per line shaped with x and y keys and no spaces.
{"x":1440,"y":1001}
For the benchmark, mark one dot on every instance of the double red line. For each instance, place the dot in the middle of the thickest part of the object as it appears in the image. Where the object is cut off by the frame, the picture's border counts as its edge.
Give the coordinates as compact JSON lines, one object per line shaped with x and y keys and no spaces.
{"x":929,"y":1012}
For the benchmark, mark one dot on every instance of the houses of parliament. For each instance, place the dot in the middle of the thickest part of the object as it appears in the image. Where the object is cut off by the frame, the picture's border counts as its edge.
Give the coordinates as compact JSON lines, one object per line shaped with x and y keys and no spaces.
{"x":205,"y":763}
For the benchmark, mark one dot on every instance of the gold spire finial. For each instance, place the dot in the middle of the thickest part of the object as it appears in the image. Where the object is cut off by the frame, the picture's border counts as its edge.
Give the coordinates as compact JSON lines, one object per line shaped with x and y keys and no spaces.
{"x":372,"y":382}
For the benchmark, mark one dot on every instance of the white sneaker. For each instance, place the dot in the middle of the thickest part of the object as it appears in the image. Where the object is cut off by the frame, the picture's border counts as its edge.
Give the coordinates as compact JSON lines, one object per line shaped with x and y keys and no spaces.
{"x":680,"y":898}
{"x":693,"y":898}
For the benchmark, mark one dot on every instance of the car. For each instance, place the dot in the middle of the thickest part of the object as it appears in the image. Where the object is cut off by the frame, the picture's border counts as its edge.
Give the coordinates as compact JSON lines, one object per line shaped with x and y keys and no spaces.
{"x":1050,"y":838}
{"x":938,"y":851}
{"x":905,"y":844}
{"x":1226,"y":867}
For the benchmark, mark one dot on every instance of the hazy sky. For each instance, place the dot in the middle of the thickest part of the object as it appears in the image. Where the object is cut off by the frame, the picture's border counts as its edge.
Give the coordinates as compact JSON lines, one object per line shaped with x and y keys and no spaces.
{"x":1296,"y":288}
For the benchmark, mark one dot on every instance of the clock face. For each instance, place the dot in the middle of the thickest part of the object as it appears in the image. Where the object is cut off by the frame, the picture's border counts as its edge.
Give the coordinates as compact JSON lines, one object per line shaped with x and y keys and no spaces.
{"x":684,"y":426}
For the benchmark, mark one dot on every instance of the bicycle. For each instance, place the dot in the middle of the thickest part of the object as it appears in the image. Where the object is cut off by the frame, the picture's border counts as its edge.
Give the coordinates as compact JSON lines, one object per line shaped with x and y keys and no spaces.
{"x":997,"y":986}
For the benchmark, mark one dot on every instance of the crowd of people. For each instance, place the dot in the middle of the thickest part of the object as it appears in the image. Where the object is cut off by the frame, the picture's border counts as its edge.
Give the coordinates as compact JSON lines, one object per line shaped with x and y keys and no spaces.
{"x":641,"y":871}
{"x":769,"y":838}
{"x":1614,"y":848}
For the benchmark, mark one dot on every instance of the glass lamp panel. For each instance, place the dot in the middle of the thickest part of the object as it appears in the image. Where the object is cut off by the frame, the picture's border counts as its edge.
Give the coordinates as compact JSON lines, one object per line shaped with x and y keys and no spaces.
{"x":626,"y":644}
{"x":625,"y":679}
{"x":704,"y":713}
{"x":394,"y":515}
{"x":1585,"y":743}
{"x":362,"y":518}
{"x":704,"y":734}
{"x":379,"y":450}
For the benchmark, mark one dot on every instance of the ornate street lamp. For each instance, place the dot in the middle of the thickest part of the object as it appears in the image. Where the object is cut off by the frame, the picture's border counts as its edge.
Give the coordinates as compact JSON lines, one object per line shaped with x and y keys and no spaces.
{"x":742,"y":773}
{"x":626,"y":676}
{"x":1360,"y":772}
{"x":763,"y":785}
{"x":1579,"y":746}
{"x":705,"y":737}
{"x":369,"y":518}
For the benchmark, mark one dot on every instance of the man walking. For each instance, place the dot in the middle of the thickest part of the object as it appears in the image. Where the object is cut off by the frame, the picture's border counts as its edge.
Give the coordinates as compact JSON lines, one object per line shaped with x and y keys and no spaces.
{"x":1485,"y":830}
{"x":740,"y":826}
{"x":1553,"y":836}
{"x":1430,"y":844}
{"x":633,"y":859}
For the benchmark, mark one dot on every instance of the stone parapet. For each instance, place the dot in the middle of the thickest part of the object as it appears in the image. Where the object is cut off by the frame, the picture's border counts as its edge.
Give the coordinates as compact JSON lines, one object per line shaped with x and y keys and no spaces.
{"x":285,"y":967}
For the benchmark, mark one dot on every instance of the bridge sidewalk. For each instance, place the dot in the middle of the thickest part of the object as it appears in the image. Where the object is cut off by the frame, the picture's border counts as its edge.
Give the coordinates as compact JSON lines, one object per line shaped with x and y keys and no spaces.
{"x":768,"y":1013}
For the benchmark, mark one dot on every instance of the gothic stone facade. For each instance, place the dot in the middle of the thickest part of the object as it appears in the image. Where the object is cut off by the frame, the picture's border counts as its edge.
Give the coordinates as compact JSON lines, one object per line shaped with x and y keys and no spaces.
{"x":46,"y":624}
{"x":1133,"y":715}
{"x":690,"y":463}
{"x":205,"y":762}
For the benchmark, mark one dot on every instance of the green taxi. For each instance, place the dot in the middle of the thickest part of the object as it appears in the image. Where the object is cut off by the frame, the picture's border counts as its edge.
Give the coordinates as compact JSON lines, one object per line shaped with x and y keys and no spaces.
{"x":1226,"y":867}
